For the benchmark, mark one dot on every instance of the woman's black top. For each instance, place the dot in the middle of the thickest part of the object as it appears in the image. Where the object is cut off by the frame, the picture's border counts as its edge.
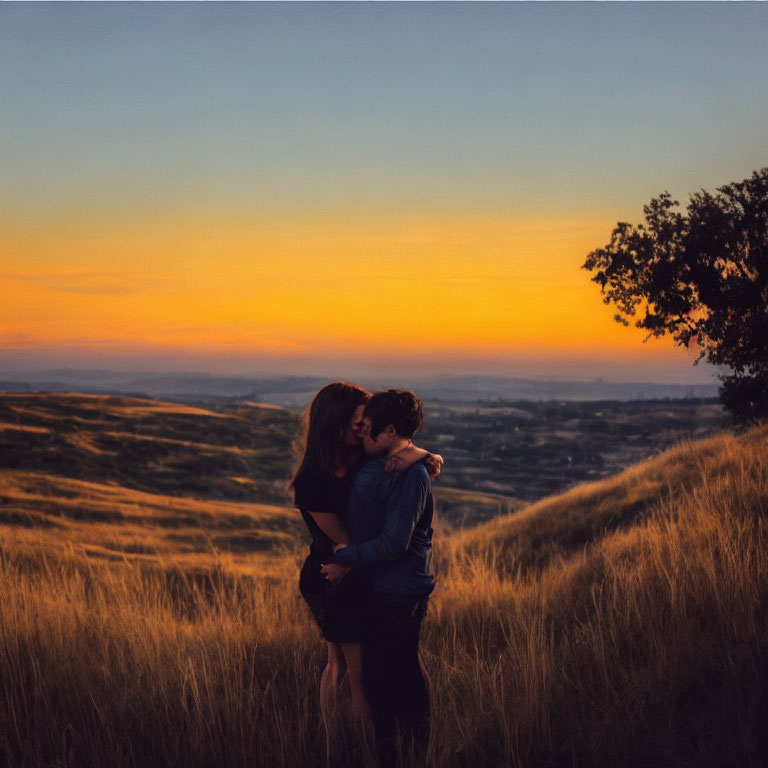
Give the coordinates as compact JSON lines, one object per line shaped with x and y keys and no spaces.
{"x":318,"y":491}
{"x":337,"y":610}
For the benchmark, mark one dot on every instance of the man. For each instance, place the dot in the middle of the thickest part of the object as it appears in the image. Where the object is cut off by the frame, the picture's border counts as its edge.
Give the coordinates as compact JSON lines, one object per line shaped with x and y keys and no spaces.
{"x":389,"y":525}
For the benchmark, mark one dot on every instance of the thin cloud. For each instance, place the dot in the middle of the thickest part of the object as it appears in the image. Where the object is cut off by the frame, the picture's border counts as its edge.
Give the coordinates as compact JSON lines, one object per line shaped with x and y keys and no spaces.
{"x":88,"y":283}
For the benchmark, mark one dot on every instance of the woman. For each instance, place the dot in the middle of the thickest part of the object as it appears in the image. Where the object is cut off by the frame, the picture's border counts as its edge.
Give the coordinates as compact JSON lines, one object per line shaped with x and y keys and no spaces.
{"x":323,"y":481}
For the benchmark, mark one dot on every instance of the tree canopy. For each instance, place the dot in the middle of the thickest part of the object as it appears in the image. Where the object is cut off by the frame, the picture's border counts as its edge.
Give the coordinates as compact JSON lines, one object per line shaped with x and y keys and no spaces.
{"x":701,"y":277}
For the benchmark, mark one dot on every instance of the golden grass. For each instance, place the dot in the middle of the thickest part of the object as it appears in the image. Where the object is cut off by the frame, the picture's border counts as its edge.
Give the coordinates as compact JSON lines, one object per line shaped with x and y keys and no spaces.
{"x":642,"y":646}
{"x":621,"y":624}
{"x":165,"y":448}
{"x":107,"y":666}
{"x":24,"y":428}
{"x":118,"y":405}
{"x":52,"y":514}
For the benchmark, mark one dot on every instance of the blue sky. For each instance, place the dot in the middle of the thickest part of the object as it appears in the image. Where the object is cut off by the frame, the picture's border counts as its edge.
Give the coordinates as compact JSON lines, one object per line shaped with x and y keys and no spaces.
{"x":301,"y":122}
{"x":529,"y":105}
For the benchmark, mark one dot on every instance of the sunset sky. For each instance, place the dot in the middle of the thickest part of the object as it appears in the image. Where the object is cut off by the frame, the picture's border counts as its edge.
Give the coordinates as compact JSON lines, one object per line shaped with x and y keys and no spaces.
{"x":337,"y":188}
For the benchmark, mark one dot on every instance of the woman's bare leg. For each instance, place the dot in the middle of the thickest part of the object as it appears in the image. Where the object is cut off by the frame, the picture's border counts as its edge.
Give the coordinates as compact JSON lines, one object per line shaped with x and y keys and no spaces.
{"x":353,"y":655}
{"x":329,"y":686}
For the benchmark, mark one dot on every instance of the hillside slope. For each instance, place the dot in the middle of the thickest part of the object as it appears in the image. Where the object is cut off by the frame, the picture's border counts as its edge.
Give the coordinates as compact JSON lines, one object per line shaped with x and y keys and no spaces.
{"x":54,"y":449}
{"x":241,"y":453}
{"x":622,"y":623}
{"x":561,"y":525}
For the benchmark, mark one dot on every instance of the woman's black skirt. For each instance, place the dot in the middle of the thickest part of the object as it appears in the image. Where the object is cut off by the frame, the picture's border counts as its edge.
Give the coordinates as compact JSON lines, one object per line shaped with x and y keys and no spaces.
{"x":339,"y":611}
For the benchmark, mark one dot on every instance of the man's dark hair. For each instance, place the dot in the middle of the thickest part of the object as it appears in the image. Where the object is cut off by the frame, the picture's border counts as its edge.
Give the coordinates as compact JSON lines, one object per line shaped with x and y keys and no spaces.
{"x":398,"y":407}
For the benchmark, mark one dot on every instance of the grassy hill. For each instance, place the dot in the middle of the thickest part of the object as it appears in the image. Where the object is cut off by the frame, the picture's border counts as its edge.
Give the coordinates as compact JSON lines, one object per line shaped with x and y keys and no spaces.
{"x":624,"y":623}
{"x":238,"y":453}
{"x":121,"y":460}
{"x":131,"y":479}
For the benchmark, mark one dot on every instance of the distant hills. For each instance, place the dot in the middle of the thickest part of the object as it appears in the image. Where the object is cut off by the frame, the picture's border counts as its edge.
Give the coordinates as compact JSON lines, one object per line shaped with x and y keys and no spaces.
{"x":123,"y":460}
{"x":297,"y":391}
{"x":485,"y":388}
{"x":498,"y":455}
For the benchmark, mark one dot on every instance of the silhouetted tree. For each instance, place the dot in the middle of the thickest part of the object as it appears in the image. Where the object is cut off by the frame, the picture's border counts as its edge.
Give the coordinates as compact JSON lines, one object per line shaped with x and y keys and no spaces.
{"x":701,"y":277}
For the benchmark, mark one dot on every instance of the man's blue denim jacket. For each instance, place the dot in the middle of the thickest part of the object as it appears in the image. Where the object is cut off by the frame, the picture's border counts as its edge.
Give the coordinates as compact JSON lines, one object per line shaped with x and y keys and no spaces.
{"x":389,"y":522}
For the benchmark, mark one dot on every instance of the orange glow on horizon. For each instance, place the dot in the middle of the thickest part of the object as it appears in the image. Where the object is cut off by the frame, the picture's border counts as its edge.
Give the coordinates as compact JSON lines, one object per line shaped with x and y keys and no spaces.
{"x":467,"y":287}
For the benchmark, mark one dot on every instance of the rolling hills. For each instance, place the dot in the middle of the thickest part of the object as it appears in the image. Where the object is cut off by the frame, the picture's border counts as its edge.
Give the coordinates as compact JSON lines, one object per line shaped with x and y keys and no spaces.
{"x":622,"y":623}
{"x":221,"y":475}
{"x":237,"y":454}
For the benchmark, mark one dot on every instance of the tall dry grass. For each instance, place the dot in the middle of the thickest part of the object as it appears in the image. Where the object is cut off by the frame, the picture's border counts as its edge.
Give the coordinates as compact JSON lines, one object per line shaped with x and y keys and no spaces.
{"x":109,"y":666}
{"x":634,"y":634}
{"x":646,"y":646}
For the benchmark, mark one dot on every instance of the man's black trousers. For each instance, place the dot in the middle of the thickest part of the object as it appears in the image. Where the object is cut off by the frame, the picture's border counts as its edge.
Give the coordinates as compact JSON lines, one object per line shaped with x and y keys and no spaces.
{"x":393,"y":680}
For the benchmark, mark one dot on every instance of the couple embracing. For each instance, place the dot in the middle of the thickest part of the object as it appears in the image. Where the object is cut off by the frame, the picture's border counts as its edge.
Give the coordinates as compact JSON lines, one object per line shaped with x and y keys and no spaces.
{"x":364,"y":492}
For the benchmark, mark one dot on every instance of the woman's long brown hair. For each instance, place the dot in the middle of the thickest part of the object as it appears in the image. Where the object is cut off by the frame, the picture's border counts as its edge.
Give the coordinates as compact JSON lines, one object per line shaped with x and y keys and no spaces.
{"x":325,"y":420}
